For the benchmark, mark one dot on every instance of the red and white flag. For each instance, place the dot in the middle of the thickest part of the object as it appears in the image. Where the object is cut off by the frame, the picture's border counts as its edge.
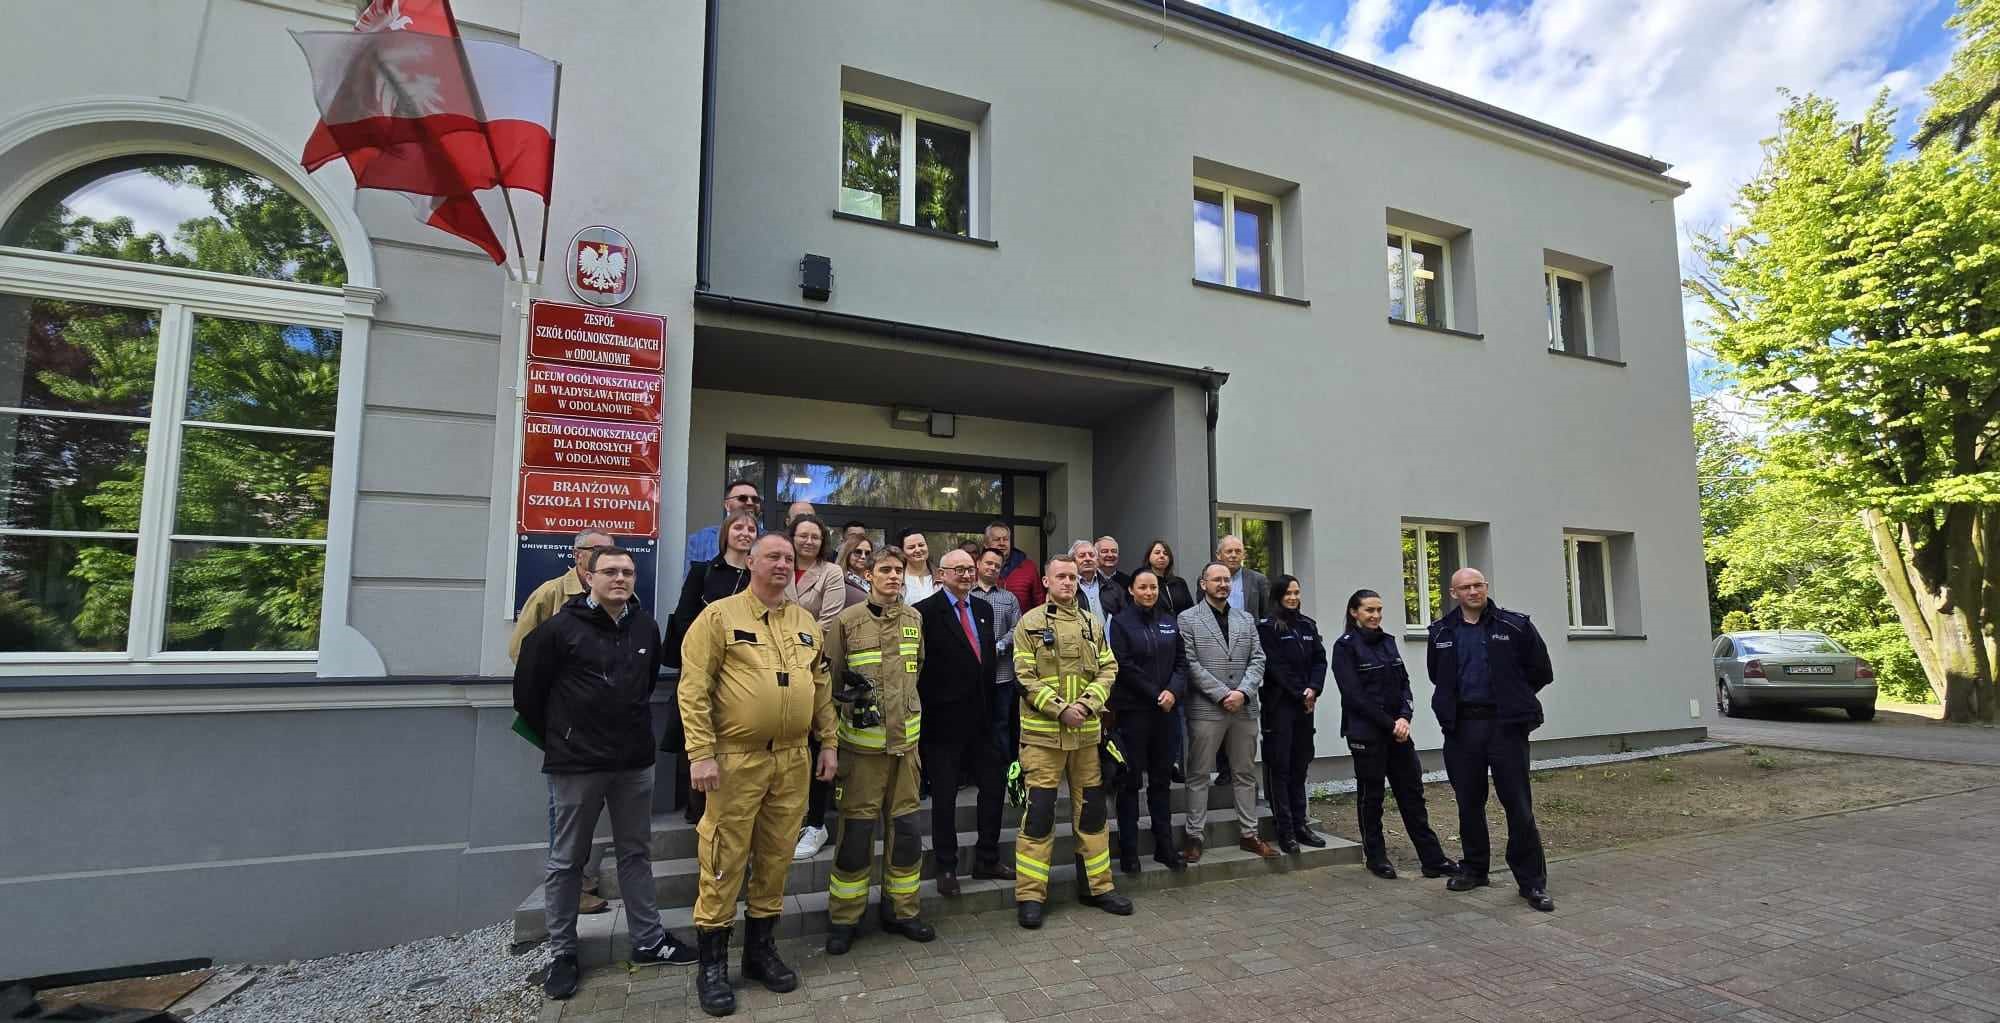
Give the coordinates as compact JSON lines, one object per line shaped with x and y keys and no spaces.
{"x":414,"y":108}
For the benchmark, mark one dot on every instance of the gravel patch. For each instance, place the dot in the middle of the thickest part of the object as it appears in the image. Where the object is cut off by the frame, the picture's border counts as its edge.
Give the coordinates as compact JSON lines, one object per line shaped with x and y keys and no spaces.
{"x":1342,"y":788}
{"x":456,"y":978}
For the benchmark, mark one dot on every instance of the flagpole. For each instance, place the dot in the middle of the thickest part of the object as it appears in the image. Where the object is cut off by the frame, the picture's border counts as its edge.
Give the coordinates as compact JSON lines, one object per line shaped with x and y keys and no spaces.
{"x":548,"y":201}
{"x":522,"y":304}
{"x":479,"y":115}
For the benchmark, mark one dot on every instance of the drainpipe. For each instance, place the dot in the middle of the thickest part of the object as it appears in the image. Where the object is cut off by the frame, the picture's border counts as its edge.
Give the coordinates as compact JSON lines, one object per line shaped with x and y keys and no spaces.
{"x":1214,"y":392}
{"x":705,"y":206}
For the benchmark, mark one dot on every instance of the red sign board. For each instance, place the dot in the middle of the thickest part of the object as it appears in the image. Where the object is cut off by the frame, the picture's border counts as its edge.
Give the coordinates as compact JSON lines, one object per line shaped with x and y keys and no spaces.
{"x":605,"y":338}
{"x":555,"y":389}
{"x":569,"y":502}
{"x":556,"y":442}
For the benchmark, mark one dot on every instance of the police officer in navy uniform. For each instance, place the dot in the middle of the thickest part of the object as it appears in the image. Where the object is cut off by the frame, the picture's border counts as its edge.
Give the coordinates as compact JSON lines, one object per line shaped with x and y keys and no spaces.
{"x":1375,"y":710}
{"x":1487,"y":663}
{"x":1294,"y":676}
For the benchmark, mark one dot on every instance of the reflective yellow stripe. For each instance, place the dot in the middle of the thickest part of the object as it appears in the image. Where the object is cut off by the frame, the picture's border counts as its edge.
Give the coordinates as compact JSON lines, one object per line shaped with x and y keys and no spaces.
{"x":843,"y":889}
{"x":1098,"y":864}
{"x":1102,"y":692}
{"x":907,"y":649}
{"x":865,"y":657}
{"x":902,"y":884}
{"x":1042,"y":698}
{"x":1049,"y":680}
{"x":912,"y":726}
{"x":1040,"y":725}
{"x":864,"y":738}
{"x":1104,"y":657}
{"x":1031,"y":868}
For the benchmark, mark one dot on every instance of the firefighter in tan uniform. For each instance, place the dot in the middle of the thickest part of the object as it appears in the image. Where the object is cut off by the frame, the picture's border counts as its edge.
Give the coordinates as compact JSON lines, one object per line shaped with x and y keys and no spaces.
{"x":877,"y":649}
{"x":1063,"y":664}
{"x":753,"y":684}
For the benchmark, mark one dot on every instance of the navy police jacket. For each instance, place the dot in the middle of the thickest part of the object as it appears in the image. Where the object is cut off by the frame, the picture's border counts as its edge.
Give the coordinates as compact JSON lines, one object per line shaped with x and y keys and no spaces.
{"x":1374,"y":684}
{"x":1147,"y":644}
{"x":1517,"y":667}
{"x":1294,"y":661}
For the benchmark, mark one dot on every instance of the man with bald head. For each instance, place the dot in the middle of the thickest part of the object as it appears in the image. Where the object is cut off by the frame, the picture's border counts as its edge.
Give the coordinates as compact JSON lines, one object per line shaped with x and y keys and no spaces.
{"x":1249,"y":590}
{"x":1486,"y":664}
{"x":955,"y":685}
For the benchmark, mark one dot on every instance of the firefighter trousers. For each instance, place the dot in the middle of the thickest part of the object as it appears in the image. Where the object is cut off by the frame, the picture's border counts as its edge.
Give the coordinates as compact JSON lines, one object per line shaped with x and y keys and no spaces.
{"x":751,"y":820}
{"x":867,"y":784}
{"x":1043,"y":769}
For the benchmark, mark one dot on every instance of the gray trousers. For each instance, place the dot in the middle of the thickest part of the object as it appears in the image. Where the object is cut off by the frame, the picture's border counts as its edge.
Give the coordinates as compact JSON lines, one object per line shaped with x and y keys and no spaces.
{"x":628,"y":796}
{"x":1236,"y":733}
{"x":590,"y":865}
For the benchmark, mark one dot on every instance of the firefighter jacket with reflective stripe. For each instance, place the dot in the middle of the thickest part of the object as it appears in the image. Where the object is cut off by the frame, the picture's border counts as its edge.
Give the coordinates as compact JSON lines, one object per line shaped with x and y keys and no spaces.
{"x":884,"y":645}
{"x":1062,"y":656}
{"x":752,"y":678}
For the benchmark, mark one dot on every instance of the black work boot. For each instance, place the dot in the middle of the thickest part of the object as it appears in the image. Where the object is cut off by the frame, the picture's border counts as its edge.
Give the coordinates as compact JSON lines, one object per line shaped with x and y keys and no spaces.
{"x":712,"y":980}
{"x":760,"y":955}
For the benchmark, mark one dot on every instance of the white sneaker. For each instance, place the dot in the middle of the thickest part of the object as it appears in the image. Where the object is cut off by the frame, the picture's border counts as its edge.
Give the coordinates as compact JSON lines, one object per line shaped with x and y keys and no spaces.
{"x":811,"y":840}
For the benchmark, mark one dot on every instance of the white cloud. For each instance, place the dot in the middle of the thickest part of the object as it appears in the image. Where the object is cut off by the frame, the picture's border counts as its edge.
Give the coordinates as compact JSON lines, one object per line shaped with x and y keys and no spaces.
{"x":1694,"y":82}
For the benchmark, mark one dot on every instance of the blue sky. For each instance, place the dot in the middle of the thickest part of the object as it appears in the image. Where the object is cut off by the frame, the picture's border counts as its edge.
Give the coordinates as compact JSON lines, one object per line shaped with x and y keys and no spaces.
{"x":1692,"y":82}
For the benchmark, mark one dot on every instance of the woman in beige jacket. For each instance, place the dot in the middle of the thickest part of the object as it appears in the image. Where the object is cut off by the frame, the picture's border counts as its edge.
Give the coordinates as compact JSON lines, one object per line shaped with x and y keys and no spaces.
{"x":816,"y":583}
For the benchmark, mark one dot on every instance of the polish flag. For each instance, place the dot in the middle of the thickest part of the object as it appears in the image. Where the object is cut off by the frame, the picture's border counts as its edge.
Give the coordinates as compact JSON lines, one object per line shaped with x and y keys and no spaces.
{"x":414,"y":108}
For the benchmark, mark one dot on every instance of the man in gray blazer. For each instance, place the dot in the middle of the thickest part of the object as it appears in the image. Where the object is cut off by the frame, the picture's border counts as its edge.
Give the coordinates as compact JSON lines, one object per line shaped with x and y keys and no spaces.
{"x":1249,"y":591}
{"x":1225,"y":664}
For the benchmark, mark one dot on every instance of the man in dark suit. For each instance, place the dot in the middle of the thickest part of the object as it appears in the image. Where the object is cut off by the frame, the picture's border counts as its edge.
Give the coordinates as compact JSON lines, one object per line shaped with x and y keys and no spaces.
{"x":960,"y":668}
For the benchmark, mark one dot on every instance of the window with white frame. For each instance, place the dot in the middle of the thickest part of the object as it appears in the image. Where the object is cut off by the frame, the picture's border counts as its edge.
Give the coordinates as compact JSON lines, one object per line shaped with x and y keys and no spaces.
{"x":905,"y":166}
{"x":169,"y":370}
{"x":1235,"y":237}
{"x":1587,"y":581}
{"x":1431,"y":553}
{"x":1567,"y":298}
{"x":1263,"y":535}
{"x":1419,"y":268}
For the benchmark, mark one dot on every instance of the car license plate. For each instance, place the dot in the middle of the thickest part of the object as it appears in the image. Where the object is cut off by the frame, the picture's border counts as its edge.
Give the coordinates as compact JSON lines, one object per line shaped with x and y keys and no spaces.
{"x":1809,"y":669}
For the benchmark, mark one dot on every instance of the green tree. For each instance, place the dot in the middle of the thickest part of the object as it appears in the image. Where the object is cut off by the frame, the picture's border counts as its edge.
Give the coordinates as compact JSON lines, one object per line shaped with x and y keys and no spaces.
{"x":1965,"y":100}
{"x":222,"y":595}
{"x":1725,"y":467}
{"x":1859,"y":299}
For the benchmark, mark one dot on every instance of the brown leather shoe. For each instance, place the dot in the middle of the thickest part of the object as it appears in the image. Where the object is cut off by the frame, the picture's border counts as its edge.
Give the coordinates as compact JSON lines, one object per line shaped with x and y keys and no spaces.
{"x":1256,"y":844}
{"x":1190,"y":849}
{"x":947,"y":883}
{"x":587,"y":903}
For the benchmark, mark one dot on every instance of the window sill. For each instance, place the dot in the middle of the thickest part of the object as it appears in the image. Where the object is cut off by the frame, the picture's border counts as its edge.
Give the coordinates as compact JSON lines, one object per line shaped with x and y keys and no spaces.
{"x":1586,"y":358}
{"x":1413,"y":325}
{"x":1246,"y":292}
{"x":1417,"y":635}
{"x":984,"y":243}
{"x":1604,"y":637}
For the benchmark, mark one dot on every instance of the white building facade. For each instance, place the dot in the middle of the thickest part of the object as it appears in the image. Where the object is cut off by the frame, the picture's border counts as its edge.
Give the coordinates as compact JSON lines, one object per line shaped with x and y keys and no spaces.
{"x":1126,"y":268}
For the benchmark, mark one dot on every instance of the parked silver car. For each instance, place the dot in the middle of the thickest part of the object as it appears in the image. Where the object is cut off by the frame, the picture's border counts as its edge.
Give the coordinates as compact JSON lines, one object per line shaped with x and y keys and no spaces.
{"x":1790,"y":669}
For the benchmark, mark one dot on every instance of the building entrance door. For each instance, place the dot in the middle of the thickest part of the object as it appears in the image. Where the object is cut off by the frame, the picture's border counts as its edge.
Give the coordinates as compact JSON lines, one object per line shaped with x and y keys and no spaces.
{"x":952,"y":504}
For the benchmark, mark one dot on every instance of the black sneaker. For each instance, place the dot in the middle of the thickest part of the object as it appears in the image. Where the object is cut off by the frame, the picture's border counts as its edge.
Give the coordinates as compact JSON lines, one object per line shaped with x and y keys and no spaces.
{"x":668,"y":952}
{"x":560,"y":983}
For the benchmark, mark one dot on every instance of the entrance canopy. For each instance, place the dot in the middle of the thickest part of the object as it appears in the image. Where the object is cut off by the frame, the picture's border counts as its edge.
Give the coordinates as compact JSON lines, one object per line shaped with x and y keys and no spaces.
{"x":1082,"y":445}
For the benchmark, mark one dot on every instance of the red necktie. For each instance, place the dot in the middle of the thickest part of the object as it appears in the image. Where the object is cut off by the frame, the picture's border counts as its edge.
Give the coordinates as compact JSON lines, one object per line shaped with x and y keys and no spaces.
{"x":971,"y":637}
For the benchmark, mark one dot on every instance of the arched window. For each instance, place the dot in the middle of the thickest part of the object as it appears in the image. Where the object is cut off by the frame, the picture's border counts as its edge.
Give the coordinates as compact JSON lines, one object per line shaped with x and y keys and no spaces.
{"x":169,"y":370}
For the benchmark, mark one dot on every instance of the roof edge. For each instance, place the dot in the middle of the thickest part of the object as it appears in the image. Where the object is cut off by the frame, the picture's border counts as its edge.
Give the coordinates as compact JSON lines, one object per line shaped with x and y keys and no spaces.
{"x":1395,"y":81}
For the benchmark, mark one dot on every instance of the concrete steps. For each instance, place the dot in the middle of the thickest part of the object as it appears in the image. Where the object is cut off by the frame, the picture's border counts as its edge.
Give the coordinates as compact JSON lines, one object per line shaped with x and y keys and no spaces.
{"x":604,"y":937}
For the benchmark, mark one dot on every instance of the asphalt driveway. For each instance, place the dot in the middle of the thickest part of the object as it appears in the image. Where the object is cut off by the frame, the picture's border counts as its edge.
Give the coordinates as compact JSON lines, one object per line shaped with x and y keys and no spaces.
{"x":1889,"y":735}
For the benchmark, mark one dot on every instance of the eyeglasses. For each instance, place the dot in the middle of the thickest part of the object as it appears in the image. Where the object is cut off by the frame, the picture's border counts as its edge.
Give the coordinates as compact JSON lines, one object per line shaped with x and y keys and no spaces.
{"x":960,"y":569}
{"x":747,"y":499}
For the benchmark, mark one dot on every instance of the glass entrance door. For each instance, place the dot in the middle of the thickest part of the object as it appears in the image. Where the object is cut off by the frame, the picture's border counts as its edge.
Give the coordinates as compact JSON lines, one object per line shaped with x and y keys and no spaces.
{"x":950,"y":503}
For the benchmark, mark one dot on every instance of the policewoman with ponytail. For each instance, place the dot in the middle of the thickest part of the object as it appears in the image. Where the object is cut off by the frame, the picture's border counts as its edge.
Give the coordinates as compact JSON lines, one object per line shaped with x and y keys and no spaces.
{"x":1375,"y":709}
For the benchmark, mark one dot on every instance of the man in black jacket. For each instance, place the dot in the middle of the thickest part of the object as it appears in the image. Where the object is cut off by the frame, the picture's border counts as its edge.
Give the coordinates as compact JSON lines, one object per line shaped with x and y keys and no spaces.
{"x":584,"y":685}
{"x":960,"y":665}
{"x":1487,"y":663}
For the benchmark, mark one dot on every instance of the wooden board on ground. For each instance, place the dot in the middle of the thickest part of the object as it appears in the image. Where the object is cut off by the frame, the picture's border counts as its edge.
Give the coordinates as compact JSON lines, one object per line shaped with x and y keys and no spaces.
{"x":155,"y":993}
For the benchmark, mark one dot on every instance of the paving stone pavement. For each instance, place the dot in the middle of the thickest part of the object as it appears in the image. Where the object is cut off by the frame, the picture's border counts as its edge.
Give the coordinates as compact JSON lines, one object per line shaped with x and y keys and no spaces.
{"x":1876,"y":916}
{"x":1890,"y":735}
